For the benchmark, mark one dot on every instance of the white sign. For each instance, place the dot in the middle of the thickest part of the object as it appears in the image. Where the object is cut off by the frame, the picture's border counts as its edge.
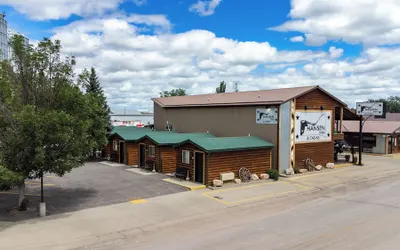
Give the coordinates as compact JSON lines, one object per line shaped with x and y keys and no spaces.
{"x":267,"y":116}
{"x":369,"y":108}
{"x":313,"y":126}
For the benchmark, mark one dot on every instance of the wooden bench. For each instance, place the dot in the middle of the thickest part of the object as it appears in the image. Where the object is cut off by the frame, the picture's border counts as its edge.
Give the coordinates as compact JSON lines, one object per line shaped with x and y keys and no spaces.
{"x":181,"y":173}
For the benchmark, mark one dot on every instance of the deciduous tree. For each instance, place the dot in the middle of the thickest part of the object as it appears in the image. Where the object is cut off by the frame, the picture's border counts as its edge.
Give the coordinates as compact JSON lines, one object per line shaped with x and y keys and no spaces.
{"x":174,"y":92}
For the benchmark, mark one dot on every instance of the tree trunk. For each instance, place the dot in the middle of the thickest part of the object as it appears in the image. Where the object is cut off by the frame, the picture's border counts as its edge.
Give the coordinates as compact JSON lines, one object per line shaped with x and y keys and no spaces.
{"x":21,"y":194}
{"x":94,"y":155}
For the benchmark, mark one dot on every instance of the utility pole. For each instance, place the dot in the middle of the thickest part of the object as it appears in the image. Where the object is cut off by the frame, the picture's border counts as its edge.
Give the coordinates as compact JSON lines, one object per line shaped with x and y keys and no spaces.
{"x":360,"y":142}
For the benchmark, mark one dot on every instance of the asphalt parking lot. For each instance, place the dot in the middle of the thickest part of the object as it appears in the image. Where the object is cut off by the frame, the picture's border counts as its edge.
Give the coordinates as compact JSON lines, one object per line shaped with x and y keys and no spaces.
{"x":92,"y":185}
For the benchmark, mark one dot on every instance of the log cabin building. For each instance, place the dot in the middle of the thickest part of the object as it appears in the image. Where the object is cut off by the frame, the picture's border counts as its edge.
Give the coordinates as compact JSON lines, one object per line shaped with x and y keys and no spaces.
{"x":301,"y":122}
{"x":207,"y":158}
{"x":158,"y":147}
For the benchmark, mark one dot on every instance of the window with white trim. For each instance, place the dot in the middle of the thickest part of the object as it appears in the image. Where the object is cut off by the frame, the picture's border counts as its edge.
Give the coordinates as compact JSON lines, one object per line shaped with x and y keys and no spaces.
{"x":152,"y":151}
{"x":115,"y":145}
{"x":186,"y":156}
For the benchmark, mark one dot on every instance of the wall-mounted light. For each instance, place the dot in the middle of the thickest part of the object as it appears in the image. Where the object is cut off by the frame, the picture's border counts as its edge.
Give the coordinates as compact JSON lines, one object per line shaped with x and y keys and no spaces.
{"x":321,"y":108}
{"x":305,"y":107}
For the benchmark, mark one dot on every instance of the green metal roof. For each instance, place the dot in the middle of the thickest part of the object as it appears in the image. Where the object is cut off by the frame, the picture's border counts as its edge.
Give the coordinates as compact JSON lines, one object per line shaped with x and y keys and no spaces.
{"x":130,"y":133}
{"x":219,"y":144}
{"x":171,"y":138}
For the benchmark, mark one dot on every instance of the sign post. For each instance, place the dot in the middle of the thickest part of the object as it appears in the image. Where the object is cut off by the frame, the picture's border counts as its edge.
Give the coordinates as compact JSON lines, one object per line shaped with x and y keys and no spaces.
{"x":366,"y":109}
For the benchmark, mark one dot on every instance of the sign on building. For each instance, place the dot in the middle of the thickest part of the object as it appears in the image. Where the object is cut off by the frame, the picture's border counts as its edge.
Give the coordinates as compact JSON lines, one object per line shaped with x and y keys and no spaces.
{"x":369,"y":108}
{"x":267,"y":116}
{"x":313,"y":126}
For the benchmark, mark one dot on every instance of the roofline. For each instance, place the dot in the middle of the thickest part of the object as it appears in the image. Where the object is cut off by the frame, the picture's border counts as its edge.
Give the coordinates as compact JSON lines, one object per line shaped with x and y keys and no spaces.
{"x":155,"y":100}
{"x":220,"y":150}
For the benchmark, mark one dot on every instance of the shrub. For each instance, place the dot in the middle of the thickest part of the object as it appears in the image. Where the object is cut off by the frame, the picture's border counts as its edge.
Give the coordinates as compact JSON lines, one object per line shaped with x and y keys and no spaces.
{"x":273,"y":174}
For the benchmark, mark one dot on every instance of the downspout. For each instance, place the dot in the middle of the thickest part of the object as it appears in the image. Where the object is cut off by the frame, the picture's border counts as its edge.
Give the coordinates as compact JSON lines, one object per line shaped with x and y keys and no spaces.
{"x":159,"y":158}
{"x":278,"y":140}
{"x":207,"y":163}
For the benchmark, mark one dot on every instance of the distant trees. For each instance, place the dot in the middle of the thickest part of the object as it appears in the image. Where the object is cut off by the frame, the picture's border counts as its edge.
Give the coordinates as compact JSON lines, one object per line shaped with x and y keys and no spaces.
{"x":45,"y":118}
{"x":236,"y":87}
{"x":392,"y":102}
{"x":174,"y":92}
{"x":221,"y":88}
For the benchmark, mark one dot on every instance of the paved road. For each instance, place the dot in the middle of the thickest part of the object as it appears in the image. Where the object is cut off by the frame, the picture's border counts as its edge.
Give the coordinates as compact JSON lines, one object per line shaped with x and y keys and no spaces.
{"x":363,"y":215}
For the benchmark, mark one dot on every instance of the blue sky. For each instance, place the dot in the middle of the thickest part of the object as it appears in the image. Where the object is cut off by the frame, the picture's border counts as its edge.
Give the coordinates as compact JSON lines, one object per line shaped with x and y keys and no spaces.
{"x":143,"y":47}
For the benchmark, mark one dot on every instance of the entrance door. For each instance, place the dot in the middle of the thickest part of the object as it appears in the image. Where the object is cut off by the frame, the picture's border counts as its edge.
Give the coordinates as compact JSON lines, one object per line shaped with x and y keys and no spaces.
{"x":198,"y":167}
{"x":121,"y":152}
{"x":390,"y":142}
{"x":142,"y":156}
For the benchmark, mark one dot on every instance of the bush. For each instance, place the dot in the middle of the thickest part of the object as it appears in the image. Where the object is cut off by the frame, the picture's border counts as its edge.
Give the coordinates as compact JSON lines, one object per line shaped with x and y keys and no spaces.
{"x":273,"y":174}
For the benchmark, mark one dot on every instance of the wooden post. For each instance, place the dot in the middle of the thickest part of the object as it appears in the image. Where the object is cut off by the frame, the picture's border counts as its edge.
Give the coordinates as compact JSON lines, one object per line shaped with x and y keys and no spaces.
{"x":341,"y":119}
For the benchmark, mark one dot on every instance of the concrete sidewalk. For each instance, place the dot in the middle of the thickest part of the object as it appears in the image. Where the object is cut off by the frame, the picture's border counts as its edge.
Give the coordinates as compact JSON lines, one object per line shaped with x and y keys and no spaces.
{"x":55,"y":232}
{"x":89,"y":226}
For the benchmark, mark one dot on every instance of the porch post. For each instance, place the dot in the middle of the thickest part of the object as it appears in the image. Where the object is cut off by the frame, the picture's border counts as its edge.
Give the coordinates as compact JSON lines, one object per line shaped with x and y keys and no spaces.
{"x":341,"y":119}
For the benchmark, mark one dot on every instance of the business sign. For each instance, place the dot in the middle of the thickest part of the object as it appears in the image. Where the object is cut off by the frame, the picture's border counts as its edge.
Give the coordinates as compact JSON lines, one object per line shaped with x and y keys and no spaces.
{"x":369,"y":108}
{"x":313,"y":126}
{"x":267,"y":116}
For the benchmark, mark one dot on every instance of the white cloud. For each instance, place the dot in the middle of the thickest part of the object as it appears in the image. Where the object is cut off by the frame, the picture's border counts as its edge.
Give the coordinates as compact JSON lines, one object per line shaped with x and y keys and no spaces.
{"x":372,"y":22}
{"x":204,"y":8}
{"x":140,"y":2}
{"x":58,"y":9}
{"x":134,"y":67}
{"x":335,"y":52}
{"x":297,"y":39}
{"x":314,"y":40}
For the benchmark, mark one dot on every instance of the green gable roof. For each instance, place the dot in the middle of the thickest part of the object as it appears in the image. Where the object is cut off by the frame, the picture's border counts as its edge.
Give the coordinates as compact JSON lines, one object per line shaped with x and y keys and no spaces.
{"x":171,"y":138}
{"x":219,"y":144}
{"x":130,"y":133}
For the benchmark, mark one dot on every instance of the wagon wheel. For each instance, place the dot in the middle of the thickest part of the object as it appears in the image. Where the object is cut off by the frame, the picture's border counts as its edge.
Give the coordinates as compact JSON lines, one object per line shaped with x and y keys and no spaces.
{"x":244,"y":174}
{"x":309,"y":164}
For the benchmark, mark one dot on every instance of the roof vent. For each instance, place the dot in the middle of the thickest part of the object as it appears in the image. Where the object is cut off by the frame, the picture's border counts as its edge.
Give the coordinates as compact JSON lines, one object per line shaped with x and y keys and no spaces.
{"x":208,"y":99}
{"x":249,"y":134}
{"x":258,"y":96}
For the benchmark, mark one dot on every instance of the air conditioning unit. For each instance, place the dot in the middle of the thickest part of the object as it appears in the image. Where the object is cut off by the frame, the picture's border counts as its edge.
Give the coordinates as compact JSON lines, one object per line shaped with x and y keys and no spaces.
{"x":230,"y":176}
{"x":168,"y":127}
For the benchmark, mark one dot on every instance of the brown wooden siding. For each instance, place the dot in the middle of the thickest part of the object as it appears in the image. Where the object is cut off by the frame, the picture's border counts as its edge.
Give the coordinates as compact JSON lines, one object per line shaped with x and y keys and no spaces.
{"x":168,"y":159}
{"x":133,"y":153}
{"x":396,"y":149}
{"x":149,"y":143}
{"x":179,"y":162}
{"x":320,"y":152}
{"x":257,"y":161}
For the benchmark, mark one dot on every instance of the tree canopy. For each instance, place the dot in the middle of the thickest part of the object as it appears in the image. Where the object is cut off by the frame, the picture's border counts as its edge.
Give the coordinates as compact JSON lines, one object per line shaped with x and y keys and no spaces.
{"x":392,"y":103}
{"x":221,"y":88}
{"x":45,"y":117}
{"x":174,"y":92}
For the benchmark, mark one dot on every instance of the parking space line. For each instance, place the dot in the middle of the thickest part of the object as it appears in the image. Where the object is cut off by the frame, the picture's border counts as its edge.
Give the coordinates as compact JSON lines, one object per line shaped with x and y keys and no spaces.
{"x":213,"y":198}
{"x":38,"y":184}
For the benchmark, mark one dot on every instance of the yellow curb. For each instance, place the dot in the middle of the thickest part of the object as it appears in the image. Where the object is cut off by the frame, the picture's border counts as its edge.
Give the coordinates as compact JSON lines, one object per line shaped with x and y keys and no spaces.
{"x":139,"y":201}
{"x":344,"y":165}
{"x":191,"y":188}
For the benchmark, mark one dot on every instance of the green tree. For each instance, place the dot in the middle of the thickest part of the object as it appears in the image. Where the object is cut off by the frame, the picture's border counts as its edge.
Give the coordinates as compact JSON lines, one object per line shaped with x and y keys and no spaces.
{"x":44,"y":121}
{"x":9,"y":179}
{"x":221,"y":88}
{"x":98,"y":110}
{"x":174,"y":92}
{"x":392,"y":103}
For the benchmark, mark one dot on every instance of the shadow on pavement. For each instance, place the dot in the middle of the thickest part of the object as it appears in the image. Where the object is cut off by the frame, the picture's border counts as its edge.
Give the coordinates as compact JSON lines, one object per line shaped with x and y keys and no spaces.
{"x":60,"y":200}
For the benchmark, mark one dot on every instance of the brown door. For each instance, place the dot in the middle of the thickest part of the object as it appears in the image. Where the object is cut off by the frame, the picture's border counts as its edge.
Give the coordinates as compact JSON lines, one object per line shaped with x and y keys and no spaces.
{"x":199,"y":167}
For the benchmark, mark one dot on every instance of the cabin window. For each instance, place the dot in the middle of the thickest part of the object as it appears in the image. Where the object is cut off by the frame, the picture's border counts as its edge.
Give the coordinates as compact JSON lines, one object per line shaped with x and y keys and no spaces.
{"x":115,"y":145}
{"x":186,"y":156}
{"x":152,"y":151}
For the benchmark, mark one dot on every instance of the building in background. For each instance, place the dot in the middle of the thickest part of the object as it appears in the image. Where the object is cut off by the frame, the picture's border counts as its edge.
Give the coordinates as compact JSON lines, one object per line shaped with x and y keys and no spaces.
{"x":131,"y":118}
{"x":6,"y":34}
{"x":3,"y":37}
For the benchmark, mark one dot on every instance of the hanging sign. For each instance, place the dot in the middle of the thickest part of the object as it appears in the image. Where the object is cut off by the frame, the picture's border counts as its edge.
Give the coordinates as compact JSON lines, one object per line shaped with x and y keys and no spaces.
{"x":369,"y":108}
{"x":267,"y":116}
{"x":313,"y":126}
